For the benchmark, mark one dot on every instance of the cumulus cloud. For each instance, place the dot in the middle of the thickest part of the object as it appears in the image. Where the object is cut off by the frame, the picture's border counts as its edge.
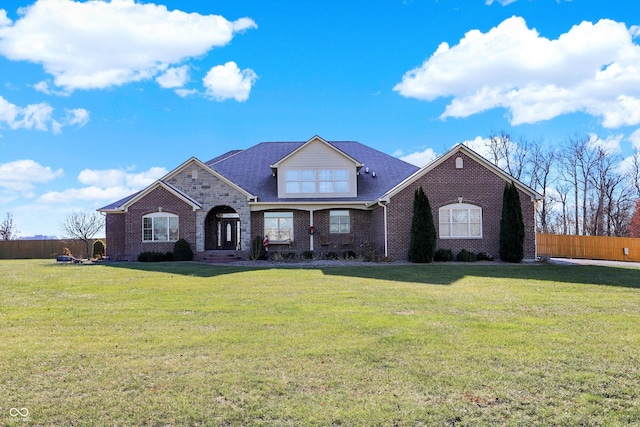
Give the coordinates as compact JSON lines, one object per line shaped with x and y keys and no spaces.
{"x":228,"y":81}
{"x":592,"y":68}
{"x":104,"y":185}
{"x":39,"y":117}
{"x":117,"y":177}
{"x":420,"y":158}
{"x":174,"y":77}
{"x":502,"y":2}
{"x":635,"y":139}
{"x":97,"y":44}
{"x":21,"y":175}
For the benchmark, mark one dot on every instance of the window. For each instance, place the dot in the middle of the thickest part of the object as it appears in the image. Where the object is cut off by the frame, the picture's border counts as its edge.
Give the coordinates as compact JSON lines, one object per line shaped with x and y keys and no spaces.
{"x":317,"y":180}
{"x":160,"y":227}
{"x":278,"y":226}
{"x":460,"y":220}
{"x":339,"y":222}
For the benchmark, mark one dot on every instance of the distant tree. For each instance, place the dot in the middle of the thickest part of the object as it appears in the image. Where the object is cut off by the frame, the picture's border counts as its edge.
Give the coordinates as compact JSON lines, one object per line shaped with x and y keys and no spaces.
{"x":8,"y":229}
{"x":422,"y":241}
{"x":511,"y":226}
{"x":83,"y":226}
{"x":634,"y":228}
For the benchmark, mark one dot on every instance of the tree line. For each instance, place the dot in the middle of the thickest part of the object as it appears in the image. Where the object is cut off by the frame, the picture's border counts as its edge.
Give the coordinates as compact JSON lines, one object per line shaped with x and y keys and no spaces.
{"x":587,"y":188}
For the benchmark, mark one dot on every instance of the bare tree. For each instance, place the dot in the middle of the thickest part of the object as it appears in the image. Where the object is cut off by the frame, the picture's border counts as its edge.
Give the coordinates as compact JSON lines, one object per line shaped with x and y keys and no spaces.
{"x":8,"y":229}
{"x":83,"y":226}
{"x":542,"y":160}
{"x":509,"y":155}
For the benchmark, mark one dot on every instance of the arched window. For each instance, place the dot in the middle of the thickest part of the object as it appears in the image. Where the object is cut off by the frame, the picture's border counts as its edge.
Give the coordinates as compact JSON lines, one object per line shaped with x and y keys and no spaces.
{"x":460,"y":221}
{"x":160,"y":227}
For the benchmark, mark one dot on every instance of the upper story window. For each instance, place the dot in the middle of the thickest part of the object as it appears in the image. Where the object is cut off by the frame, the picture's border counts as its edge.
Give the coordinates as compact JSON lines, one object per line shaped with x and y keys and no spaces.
{"x":160,"y":227}
{"x":460,"y":220}
{"x":317,"y":181}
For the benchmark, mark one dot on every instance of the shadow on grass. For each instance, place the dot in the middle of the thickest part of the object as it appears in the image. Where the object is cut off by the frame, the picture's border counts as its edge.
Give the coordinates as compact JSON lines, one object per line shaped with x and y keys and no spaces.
{"x":432,"y":274}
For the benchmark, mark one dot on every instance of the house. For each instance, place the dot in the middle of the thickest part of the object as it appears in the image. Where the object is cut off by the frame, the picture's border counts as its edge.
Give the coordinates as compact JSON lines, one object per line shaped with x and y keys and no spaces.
{"x":315,"y":196}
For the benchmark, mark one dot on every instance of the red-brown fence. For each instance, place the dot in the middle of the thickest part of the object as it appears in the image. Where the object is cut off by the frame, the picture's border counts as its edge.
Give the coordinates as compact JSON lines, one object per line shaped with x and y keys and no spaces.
{"x":589,"y":247}
{"x":28,"y":249}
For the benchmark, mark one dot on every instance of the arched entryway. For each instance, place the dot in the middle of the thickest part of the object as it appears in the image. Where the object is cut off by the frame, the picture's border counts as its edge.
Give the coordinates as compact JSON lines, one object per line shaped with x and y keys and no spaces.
{"x":222,"y":229}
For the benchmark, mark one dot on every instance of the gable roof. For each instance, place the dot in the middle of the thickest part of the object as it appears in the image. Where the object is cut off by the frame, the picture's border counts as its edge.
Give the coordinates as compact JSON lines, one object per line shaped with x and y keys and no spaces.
{"x":458,"y":148}
{"x":251,"y":169}
{"x":311,"y":141}
{"x":123,"y":204}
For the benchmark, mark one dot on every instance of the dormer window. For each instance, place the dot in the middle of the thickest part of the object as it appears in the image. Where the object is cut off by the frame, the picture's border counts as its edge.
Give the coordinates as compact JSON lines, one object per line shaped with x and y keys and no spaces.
{"x":309,"y":181}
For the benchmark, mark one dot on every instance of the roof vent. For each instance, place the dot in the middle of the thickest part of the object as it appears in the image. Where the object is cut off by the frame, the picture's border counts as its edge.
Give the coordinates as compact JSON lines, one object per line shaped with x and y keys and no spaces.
{"x":373,"y":174}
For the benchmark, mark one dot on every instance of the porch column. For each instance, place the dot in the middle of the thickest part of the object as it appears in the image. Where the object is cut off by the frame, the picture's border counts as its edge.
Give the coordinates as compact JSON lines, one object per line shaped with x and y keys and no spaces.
{"x":311,"y":235}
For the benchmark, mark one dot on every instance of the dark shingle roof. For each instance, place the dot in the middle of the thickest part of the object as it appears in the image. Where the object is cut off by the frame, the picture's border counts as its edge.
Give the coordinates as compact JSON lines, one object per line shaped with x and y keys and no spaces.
{"x":250,"y":169}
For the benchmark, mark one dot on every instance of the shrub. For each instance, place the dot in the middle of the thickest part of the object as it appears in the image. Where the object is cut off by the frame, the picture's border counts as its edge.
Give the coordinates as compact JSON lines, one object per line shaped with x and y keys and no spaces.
{"x":422,"y":240}
{"x":182,"y":251}
{"x":483,"y":256}
{"x":155,"y":256}
{"x":511,"y":226}
{"x":98,"y":249}
{"x":349,"y":255}
{"x":257,"y":252}
{"x":465,"y":256}
{"x":443,"y":255}
{"x":307,"y":255}
{"x":331,"y":255}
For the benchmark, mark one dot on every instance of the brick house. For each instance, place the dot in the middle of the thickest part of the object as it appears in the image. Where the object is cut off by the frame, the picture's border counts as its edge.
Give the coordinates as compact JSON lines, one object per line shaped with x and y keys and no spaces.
{"x":315,"y":196}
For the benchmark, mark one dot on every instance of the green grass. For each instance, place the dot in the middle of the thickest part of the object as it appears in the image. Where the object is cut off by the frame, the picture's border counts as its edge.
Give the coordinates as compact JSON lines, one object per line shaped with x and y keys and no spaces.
{"x":177,"y":344}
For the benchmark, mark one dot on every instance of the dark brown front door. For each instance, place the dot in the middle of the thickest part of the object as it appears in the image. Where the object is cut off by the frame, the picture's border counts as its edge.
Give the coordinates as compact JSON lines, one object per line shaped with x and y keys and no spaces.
{"x":229,"y":233}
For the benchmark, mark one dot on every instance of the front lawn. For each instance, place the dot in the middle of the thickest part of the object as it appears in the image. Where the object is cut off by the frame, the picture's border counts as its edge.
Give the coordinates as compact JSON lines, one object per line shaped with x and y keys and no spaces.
{"x":175,"y":344}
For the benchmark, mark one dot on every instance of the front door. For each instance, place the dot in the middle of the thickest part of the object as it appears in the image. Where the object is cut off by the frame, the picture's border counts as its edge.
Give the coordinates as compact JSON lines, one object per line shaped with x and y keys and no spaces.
{"x":229,"y":233}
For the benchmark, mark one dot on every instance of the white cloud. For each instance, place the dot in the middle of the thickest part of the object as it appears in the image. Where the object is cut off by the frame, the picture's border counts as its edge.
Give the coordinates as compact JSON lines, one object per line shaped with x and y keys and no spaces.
{"x":610,"y":144}
{"x":228,"y":81}
{"x":502,"y":2}
{"x":174,"y":77}
{"x":39,"y":117}
{"x":118,"y":177}
{"x":420,"y":158}
{"x":480,"y":145}
{"x":21,"y":175}
{"x":4,"y":19}
{"x":84,"y":194}
{"x":635,"y":139}
{"x":98,"y":44}
{"x":591,"y":68}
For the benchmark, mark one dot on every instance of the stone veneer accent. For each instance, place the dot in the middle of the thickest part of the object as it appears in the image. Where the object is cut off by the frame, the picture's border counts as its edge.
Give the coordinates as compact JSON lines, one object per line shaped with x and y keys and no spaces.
{"x":210,"y":191}
{"x":443,"y":185}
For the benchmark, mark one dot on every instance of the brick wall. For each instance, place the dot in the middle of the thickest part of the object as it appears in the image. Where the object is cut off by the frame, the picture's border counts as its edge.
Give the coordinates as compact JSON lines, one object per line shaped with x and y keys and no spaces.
{"x":157,"y":198}
{"x":360,"y":223}
{"x":115,"y":236}
{"x":443,"y":185}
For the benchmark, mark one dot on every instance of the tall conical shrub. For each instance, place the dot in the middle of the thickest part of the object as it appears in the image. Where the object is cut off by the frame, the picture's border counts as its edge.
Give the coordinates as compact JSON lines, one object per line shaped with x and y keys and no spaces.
{"x":511,"y":226}
{"x":422,"y":241}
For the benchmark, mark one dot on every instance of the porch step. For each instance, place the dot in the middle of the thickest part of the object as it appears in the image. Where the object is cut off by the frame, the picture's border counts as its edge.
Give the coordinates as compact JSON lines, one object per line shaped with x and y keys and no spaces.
{"x":221,"y":257}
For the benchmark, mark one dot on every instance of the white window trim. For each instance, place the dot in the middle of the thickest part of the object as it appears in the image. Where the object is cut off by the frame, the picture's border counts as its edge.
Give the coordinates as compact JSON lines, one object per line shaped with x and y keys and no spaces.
{"x":153,"y":216}
{"x":316,"y":182}
{"x":288,"y":215}
{"x":458,"y":206}
{"x":340,"y":214}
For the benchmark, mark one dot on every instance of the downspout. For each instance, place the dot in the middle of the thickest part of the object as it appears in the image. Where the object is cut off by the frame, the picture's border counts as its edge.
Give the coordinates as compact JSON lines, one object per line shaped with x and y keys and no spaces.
{"x":311,"y":235}
{"x":384,"y":215}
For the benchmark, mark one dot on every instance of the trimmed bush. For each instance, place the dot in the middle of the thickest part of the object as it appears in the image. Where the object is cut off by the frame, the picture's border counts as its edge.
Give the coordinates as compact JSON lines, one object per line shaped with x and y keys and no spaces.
{"x":483,"y":256}
{"x":98,"y":250}
{"x":257,"y":252}
{"x":511,"y":226}
{"x":307,"y":255}
{"x":465,"y":256}
{"x":349,"y":255}
{"x":331,"y":255}
{"x":443,"y":255}
{"x":422,"y":240}
{"x":182,"y":251}
{"x":155,"y":257}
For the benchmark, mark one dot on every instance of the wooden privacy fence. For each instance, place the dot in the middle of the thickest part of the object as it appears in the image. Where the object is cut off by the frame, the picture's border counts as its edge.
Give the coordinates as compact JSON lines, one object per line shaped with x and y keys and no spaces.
{"x":27,"y":249}
{"x":588,"y":247}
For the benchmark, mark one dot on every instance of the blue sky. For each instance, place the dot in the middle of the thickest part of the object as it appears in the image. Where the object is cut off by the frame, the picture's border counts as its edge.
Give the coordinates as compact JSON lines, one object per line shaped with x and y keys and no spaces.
{"x":99,"y":99}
